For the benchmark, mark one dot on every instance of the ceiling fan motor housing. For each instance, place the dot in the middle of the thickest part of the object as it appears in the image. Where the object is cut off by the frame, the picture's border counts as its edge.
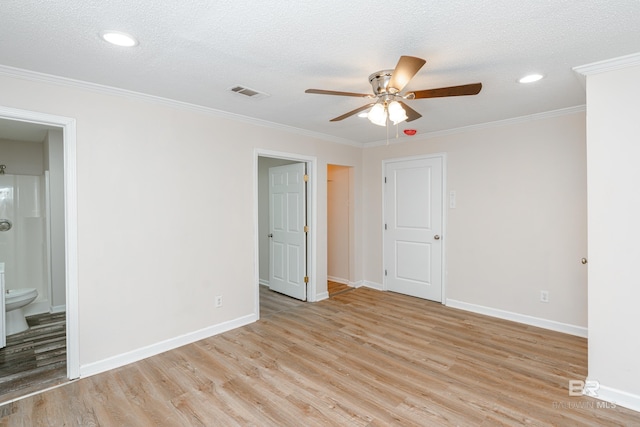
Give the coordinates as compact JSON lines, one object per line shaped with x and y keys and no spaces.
{"x":380,"y":81}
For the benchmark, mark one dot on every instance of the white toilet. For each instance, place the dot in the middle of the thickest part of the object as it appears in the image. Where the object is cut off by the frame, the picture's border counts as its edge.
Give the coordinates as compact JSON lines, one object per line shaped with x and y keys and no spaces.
{"x":15,"y":301}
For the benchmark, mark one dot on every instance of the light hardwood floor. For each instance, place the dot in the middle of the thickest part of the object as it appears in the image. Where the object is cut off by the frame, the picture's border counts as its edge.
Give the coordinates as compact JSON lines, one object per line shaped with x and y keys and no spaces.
{"x":336,"y":288}
{"x":361,"y":358}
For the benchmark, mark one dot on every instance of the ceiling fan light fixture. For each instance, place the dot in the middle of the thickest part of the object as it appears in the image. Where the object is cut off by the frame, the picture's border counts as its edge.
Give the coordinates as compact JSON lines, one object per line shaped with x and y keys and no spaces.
{"x":396,"y":112}
{"x":377,"y":115}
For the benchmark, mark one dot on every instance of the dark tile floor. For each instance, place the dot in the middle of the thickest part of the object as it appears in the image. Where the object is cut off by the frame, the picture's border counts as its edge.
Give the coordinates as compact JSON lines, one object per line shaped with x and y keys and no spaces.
{"x":36,"y":358}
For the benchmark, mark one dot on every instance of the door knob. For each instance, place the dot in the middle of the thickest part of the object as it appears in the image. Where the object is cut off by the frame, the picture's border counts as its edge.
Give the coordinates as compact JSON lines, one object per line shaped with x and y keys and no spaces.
{"x":5,"y":225}
{"x":583,"y":260}
{"x":436,"y":237}
{"x":270,"y":235}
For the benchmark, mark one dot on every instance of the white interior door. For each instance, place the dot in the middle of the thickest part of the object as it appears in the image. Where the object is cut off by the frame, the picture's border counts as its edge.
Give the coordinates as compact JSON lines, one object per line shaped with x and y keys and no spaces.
{"x":413,"y":227}
{"x":287,"y":220}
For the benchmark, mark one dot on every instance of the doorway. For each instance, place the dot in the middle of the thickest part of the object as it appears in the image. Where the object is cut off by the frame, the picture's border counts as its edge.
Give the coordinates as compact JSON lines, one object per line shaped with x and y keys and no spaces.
{"x":61,"y":291}
{"x":340,"y":220}
{"x":263,"y":160}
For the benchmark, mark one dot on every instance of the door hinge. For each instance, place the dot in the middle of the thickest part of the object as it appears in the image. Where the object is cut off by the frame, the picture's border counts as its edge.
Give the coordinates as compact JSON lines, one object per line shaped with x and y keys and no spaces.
{"x":385,"y":272}
{"x":306,"y":279}
{"x":306,"y":178}
{"x":306,"y":228}
{"x":385,"y":226}
{"x":385,"y":179}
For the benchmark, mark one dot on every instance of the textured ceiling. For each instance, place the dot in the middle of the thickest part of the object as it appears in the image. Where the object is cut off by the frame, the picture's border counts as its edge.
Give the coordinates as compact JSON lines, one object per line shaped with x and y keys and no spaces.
{"x":194,"y":51}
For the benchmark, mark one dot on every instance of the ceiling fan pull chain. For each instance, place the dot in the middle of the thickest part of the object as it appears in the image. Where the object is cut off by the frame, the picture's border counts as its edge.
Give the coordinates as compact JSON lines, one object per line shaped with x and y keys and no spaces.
{"x":387,"y":126}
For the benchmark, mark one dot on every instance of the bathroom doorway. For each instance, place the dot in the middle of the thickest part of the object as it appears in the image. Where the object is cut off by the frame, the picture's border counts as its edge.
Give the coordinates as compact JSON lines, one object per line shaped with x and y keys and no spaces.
{"x":38,"y":154}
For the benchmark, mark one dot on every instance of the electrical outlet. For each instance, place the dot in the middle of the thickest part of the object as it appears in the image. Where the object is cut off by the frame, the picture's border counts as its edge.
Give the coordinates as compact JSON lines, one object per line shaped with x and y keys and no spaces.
{"x":544,"y":296}
{"x":219,"y":301}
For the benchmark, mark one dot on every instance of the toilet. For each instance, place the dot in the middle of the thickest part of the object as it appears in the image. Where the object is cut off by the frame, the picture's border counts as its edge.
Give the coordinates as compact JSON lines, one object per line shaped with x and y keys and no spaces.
{"x":14,"y":302}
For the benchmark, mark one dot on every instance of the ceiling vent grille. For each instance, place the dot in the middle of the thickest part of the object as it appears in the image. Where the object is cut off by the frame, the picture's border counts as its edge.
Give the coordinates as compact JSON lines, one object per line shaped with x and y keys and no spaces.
{"x":248,"y":92}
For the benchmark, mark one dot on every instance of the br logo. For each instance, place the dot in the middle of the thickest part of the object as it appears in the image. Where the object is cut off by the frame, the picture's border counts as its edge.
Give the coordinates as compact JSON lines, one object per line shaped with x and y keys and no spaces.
{"x":586,"y":388}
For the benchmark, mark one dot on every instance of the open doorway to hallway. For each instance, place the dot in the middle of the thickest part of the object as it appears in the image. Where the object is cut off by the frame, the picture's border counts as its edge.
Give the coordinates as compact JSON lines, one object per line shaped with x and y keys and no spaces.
{"x":340,"y":238}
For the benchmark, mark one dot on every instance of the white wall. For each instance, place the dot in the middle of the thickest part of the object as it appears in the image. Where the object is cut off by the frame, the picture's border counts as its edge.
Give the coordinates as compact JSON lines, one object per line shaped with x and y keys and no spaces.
{"x":22,"y":157}
{"x":520,"y":222}
{"x":613,"y":129}
{"x":165,"y":213}
{"x":339,"y":223}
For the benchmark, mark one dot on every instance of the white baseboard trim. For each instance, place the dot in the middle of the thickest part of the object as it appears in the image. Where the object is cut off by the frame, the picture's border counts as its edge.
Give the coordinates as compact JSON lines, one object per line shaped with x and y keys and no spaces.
{"x":263,"y":282}
{"x":373,"y":285}
{"x":151,"y":350}
{"x":57,"y":309}
{"x":357,"y":284}
{"x":338,"y":280}
{"x":520,"y":318}
{"x":618,"y":397}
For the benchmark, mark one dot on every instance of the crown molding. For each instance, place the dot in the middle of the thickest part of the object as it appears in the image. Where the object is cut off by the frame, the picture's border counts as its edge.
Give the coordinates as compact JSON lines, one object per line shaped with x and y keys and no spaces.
{"x":480,"y":126}
{"x":95,"y":87}
{"x":608,"y":65}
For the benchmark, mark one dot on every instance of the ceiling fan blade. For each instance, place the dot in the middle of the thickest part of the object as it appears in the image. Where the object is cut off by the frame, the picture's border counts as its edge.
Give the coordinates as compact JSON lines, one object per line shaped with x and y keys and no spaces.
{"x":407,"y":67}
{"x":411,"y":113}
{"x":352,"y":112}
{"x":334,"y":92}
{"x":470,"y":89}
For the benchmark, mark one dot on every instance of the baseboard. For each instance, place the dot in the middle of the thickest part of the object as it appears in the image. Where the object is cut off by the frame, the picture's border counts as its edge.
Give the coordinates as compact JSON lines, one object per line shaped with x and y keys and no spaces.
{"x":618,"y":397}
{"x":263,"y":282}
{"x":151,"y":350}
{"x":373,"y":285}
{"x":57,"y":309}
{"x":520,"y":318}
{"x":338,"y":280}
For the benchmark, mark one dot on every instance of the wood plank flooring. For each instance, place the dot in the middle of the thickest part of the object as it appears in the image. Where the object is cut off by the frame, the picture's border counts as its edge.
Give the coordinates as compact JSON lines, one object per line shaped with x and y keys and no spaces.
{"x":34,"y":359}
{"x":360,"y":358}
{"x":336,"y":288}
{"x":273,"y":302}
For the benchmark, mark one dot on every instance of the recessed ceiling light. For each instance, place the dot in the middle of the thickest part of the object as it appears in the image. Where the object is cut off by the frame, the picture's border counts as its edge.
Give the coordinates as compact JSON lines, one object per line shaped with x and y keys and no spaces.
{"x":531,"y":78}
{"x":119,"y":38}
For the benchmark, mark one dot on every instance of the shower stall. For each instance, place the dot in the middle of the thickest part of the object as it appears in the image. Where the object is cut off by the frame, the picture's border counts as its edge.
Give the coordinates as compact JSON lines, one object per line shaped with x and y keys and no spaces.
{"x":24,"y":247}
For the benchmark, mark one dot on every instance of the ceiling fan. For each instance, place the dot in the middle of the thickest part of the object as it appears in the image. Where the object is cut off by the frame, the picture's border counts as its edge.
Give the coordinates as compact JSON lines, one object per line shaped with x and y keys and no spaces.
{"x":387,"y":87}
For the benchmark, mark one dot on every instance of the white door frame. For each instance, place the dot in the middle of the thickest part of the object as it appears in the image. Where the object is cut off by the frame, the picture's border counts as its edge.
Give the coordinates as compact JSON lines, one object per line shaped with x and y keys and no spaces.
{"x":312,"y":209}
{"x":68,"y":126}
{"x":442,"y":156}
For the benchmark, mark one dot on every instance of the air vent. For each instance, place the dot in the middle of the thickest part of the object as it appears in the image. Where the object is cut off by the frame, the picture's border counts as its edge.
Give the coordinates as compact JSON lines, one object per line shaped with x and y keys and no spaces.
{"x":248,"y":92}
